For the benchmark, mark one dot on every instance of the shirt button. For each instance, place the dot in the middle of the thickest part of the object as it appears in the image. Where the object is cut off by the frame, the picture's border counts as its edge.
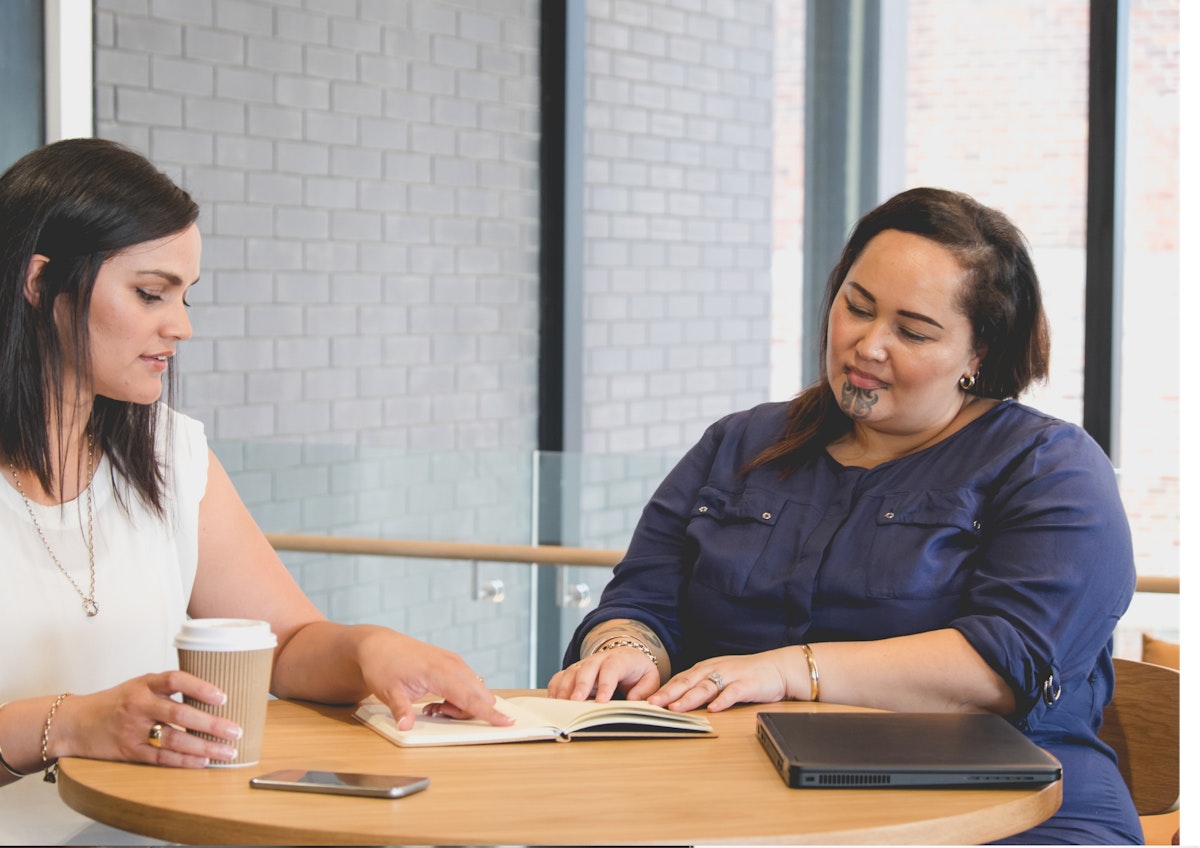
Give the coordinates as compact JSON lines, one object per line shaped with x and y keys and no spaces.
{"x":976,"y":525}
{"x":889,"y":515}
{"x":766,"y":516}
{"x":704,"y":509}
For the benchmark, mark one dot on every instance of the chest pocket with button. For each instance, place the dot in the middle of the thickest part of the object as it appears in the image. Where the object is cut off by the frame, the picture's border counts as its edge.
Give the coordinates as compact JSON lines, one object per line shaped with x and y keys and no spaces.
{"x":923,"y":544}
{"x":730,"y":531}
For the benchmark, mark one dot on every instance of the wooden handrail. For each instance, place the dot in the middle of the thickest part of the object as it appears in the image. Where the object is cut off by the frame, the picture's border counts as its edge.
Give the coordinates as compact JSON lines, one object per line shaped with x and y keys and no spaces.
{"x":424,"y":549}
{"x":535,"y":554}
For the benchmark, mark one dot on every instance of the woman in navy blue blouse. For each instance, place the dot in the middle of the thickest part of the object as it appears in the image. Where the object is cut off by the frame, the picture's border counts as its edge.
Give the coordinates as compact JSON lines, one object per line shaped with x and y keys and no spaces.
{"x":904,"y":534}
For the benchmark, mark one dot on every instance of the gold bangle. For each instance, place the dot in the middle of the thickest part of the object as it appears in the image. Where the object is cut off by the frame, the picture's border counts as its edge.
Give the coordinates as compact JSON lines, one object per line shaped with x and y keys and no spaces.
{"x":625,"y":642}
{"x":51,"y":767}
{"x":814,"y":676}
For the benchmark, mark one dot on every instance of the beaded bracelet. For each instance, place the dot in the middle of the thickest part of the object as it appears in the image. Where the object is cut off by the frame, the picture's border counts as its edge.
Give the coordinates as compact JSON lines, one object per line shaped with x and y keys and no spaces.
{"x":814,"y":676}
{"x":625,"y":642}
{"x":4,"y":762}
{"x":51,"y":767}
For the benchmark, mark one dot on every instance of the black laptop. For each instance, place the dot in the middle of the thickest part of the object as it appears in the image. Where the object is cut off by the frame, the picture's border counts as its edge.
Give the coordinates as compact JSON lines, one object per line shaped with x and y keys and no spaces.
{"x":866,"y":749}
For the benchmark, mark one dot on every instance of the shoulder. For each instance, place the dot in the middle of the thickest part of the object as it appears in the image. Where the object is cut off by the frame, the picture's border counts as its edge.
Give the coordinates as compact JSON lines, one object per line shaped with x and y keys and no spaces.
{"x":174,"y":425}
{"x":1024,"y":425}
{"x":183,"y":446}
{"x":1023,"y":443}
{"x":729,"y":443}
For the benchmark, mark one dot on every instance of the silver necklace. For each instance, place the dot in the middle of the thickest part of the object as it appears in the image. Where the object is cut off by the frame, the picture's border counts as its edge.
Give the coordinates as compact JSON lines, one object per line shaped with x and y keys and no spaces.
{"x":89,"y":600}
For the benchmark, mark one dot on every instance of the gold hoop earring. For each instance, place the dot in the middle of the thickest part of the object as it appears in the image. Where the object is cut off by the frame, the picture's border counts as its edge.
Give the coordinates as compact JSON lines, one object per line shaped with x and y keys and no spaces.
{"x":966,"y":382}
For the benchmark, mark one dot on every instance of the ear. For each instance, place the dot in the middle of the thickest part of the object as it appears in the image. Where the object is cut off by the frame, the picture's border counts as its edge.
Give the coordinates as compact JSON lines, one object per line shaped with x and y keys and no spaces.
{"x":33,"y":278}
{"x":981,"y":353}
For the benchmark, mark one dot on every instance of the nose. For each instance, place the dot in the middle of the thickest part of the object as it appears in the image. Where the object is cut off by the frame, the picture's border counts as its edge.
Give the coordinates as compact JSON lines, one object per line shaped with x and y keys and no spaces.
{"x":179,"y":323}
{"x":873,"y":343}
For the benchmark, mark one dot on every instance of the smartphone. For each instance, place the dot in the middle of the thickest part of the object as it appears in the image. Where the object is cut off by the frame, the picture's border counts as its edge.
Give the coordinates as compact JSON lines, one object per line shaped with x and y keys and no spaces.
{"x":341,"y":783}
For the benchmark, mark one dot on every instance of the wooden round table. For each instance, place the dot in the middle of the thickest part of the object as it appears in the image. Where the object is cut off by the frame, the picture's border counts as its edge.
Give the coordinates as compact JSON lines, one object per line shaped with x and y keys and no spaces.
{"x":585,"y":792}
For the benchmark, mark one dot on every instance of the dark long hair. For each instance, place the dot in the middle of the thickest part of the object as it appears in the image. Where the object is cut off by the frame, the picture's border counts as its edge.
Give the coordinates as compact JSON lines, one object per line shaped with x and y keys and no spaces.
{"x":77,"y":202}
{"x":1002,"y":300}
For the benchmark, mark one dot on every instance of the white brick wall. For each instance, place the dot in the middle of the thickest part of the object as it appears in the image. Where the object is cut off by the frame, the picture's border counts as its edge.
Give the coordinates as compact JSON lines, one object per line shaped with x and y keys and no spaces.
{"x":345,"y":154}
{"x":677,"y":218}
{"x":677,"y":252}
{"x":365,"y":348}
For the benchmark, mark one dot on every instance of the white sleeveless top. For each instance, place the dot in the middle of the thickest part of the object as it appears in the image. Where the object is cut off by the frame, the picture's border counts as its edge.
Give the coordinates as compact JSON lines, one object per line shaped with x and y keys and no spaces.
{"x":145,"y":568}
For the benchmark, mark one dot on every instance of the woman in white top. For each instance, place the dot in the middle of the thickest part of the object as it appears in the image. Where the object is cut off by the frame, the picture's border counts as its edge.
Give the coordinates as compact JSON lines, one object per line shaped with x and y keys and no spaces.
{"x":116,"y":521}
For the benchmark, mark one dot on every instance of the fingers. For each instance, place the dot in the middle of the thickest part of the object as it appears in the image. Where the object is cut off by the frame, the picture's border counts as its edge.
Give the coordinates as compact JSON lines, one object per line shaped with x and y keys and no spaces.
{"x":402,"y":710}
{"x":464,"y":696}
{"x":600,"y":676}
{"x":174,"y":747}
{"x":180,"y":682}
{"x":171,"y":732}
{"x":572,"y":684}
{"x":645,"y":687}
{"x":696,"y":687}
{"x":467,"y":695}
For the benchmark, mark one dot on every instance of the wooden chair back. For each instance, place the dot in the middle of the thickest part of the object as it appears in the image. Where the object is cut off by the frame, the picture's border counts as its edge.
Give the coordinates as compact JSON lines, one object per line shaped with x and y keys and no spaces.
{"x":1142,"y":726}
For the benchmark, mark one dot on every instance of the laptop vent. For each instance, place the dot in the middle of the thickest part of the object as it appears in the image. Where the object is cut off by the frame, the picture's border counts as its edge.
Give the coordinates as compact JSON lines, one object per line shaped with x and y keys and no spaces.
{"x":854,"y":779}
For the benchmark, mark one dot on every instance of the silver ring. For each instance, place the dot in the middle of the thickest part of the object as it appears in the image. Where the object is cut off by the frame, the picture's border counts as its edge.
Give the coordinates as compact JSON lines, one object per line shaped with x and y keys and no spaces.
{"x":717,"y":680}
{"x":155,"y":735}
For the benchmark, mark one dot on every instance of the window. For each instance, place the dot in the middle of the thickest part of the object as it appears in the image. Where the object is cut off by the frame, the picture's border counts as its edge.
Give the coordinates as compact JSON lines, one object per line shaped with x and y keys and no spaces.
{"x":22,"y":113}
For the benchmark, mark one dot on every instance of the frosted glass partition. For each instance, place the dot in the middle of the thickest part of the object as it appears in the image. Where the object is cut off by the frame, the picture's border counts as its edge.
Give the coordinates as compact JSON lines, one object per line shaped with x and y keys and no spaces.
{"x":483,"y":497}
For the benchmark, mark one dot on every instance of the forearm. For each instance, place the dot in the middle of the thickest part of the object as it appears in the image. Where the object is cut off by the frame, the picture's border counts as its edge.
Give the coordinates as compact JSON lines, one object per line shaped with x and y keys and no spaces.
{"x":321,"y":662}
{"x":22,"y":724}
{"x":616,"y":628}
{"x":937,"y":671}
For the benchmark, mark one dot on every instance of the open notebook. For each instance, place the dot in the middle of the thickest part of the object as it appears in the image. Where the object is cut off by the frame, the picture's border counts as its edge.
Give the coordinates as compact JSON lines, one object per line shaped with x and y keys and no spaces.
{"x":539,"y":718}
{"x":866,"y":749}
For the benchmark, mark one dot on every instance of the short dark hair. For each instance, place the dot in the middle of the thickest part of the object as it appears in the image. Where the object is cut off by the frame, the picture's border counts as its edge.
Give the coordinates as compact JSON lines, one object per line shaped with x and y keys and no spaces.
{"x":77,"y":202}
{"x":1002,"y":300}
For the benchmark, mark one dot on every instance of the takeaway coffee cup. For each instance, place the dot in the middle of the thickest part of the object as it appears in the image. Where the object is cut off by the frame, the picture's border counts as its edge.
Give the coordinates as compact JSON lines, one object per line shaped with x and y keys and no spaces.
{"x":235,"y":655}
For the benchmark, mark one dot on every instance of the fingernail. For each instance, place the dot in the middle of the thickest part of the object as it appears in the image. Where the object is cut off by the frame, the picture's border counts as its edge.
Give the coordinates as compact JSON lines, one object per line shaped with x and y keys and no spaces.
{"x":228,"y":753}
{"x":234,"y":732}
{"x":224,"y":698}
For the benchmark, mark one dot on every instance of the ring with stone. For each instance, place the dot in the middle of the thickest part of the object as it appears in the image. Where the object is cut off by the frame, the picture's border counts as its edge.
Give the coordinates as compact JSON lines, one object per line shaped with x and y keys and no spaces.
{"x":155,"y":736}
{"x":717,"y":680}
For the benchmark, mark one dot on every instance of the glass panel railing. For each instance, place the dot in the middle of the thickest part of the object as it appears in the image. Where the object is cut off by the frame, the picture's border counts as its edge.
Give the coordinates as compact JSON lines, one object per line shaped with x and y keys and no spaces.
{"x":509,"y":620}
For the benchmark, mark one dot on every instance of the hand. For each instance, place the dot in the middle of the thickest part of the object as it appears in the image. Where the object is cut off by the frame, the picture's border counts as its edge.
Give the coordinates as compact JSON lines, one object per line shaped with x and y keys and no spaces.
{"x":115,"y":724}
{"x":752,"y":678}
{"x":399,"y":669}
{"x":627,"y":669}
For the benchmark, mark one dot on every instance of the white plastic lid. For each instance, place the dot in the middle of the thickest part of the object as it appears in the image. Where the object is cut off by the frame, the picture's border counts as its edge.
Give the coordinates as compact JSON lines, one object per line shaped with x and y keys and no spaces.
{"x":224,"y":634}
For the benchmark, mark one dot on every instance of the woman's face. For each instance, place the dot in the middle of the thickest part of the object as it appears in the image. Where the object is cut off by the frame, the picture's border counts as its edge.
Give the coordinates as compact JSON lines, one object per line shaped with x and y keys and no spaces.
{"x":138,"y":315}
{"x":898,"y":342}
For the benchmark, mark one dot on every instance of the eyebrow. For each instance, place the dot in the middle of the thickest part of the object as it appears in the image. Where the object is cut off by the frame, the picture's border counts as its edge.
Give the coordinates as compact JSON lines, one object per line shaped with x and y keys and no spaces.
{"x":916,"y":316}
{"x":173,"y":279}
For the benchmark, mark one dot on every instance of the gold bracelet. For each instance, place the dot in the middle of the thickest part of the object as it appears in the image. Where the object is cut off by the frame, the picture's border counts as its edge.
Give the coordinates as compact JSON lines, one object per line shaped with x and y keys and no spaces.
{"x":814,"y":676}
{"x":625,"y":642}
{"x":4,"y":762}
{"x":51,"y":767}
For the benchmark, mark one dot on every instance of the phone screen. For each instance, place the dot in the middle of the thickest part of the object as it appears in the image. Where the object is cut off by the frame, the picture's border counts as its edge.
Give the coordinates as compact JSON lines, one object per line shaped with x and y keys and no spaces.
{"x":341,"y":783}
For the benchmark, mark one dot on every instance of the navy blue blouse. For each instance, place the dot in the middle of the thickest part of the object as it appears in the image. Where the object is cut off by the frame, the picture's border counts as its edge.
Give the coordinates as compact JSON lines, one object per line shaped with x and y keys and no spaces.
{"x":1010,"y":531}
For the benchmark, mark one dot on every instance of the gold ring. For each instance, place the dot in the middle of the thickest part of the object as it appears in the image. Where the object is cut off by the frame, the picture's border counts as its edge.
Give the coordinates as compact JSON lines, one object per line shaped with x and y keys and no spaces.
{"x":155,"y":735}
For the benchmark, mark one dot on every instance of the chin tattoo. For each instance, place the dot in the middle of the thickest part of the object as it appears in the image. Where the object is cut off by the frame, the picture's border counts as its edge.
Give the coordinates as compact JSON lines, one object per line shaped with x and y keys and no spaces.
{"x":857,"y":402}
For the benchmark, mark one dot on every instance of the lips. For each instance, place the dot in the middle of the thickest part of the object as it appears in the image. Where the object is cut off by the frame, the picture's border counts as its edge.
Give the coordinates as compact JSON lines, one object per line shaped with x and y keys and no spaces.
{"x":863,"y":380}
{"x":157,"y":361}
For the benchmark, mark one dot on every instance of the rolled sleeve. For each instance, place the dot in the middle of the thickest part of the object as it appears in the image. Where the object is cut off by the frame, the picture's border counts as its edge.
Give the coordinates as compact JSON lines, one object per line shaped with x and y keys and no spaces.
{"x":1054,"y":574}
